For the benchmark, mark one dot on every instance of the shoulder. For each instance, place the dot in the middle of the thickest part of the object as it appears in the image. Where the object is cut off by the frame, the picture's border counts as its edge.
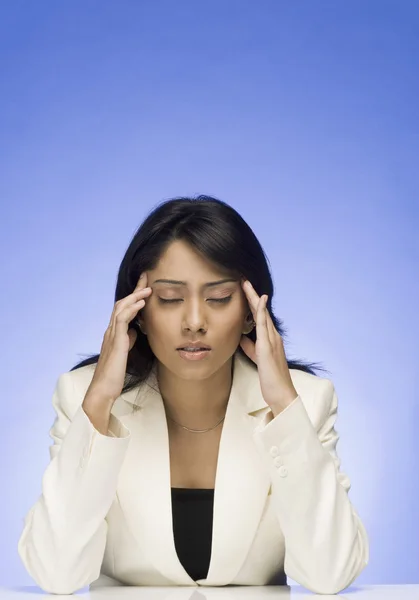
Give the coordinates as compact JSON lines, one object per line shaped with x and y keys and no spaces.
{"x":82,"y":378}
{"x":71,"y":387}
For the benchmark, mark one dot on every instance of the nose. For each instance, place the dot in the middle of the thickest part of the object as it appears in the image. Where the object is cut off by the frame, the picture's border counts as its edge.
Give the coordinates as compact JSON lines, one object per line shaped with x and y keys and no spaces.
{"x":194,"y":318}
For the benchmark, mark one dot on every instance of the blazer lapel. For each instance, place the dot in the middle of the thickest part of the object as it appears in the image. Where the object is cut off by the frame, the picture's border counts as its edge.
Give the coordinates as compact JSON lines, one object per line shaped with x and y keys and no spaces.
{"x":241,"y":486}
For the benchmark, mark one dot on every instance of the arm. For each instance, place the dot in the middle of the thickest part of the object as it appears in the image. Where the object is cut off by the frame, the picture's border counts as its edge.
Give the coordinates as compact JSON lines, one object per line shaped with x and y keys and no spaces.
{"x":326,"y":543}
{"x":64,"y":536}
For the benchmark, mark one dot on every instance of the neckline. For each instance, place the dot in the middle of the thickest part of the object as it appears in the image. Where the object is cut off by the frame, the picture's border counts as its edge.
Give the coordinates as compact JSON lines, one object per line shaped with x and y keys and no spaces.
{"x":181,"y":489}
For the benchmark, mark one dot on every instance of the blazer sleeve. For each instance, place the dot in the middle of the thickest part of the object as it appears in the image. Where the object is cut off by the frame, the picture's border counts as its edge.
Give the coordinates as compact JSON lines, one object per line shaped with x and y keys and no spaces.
{"x":326,"y":544}
{"x":64,"y":536}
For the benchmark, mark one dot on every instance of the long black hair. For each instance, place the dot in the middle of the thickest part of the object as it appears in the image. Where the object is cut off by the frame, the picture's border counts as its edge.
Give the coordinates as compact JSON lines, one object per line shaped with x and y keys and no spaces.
{"x":218,"y":232}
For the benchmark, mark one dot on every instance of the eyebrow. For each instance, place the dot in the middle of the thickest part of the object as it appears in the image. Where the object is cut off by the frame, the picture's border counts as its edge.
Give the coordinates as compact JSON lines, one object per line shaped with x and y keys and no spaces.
{"x":184,"y":283}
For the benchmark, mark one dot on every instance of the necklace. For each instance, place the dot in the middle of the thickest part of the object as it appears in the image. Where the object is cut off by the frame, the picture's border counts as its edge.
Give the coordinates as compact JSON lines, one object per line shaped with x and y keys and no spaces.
{"x":197,"y":430}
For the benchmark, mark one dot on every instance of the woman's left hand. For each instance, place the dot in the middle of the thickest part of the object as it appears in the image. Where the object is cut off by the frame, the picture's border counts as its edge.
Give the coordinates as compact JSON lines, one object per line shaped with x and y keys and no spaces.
{"x":268,"y":353}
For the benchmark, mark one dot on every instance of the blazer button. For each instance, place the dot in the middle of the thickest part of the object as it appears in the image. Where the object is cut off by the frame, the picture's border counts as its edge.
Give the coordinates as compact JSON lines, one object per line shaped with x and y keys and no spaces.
{"x":82,"y":462}
{"x":274,"y":451}
{"x":283,"y":471}
{"x":278,"y":462}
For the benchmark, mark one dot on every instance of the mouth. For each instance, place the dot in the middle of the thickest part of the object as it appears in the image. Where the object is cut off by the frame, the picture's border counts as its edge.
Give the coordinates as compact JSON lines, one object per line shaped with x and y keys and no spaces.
{"x":194,"y":354}
{"x":195,"y":346}
{"x":186,"y":349}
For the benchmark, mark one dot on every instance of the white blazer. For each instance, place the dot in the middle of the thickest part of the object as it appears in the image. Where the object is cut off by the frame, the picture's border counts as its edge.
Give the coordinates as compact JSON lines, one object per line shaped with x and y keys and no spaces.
{"x":281,"y":503}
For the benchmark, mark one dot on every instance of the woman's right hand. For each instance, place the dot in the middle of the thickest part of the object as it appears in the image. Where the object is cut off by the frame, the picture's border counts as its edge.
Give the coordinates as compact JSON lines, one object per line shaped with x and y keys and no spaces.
{"x":109,"y":376}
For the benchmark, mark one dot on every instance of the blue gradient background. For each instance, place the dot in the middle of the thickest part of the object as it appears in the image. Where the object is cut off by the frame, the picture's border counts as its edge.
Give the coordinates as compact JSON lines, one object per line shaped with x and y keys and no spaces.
{"x":301,"y":115}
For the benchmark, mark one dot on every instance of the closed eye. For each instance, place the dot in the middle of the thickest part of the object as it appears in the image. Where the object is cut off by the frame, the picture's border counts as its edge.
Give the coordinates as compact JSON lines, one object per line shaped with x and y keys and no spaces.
{"x":222,"y":300}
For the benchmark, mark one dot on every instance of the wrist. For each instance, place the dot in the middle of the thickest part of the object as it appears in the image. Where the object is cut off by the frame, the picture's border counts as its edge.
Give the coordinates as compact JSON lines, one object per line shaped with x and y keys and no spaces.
{"x":276,"y":409}
{"x":97,"y":400}
{"x":98,"y":414}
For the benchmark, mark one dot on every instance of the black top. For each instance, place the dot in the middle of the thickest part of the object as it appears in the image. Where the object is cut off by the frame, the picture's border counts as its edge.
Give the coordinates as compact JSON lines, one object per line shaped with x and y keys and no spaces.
{"x":192,"y":513}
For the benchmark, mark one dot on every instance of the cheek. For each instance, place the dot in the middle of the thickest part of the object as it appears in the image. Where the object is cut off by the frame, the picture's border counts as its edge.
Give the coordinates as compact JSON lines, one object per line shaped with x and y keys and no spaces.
{"x":154,"y":320}
{"x":231,"y":321}
{"x":230,"y":318}
{"x":159,"y":320}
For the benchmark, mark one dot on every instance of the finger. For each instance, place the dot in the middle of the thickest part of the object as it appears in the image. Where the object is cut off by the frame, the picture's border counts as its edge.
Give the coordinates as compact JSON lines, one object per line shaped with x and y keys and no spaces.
{"x":270,"y":326}
{"x":262,"y":328}
{"x":137,"y":295}
{"x":126,"y":316}
{"x":125,"y":313}
{"x":252,"y":297}
{"x":142,"y":282}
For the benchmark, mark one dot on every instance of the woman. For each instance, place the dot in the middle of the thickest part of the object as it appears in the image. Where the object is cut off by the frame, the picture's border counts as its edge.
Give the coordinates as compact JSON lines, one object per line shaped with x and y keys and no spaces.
{"x":173,"y":465}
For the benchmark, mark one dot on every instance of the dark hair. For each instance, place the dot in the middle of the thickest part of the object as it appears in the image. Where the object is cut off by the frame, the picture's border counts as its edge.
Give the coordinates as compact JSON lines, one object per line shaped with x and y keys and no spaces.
{"x":218,"y":232}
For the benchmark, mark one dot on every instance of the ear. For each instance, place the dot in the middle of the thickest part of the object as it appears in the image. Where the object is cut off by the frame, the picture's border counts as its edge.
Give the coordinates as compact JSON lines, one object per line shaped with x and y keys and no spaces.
{"x":132,"y":334}
{"x":140,"y":323}
{"x":248,"y":324}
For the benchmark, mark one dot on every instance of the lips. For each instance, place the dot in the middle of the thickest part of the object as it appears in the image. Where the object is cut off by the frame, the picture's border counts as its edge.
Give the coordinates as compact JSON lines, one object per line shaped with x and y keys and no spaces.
{"x":195,"y":346}
{"x":196,"y":350}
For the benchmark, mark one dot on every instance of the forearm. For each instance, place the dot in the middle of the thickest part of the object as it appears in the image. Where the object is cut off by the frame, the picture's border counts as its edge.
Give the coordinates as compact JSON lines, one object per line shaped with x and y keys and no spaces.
{"x":326,"y":542}
{"x":98,"y":411}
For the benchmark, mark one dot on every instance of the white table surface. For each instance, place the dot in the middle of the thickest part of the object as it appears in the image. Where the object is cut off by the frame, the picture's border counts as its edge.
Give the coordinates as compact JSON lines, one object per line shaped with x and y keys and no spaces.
{"x":110,"y":590}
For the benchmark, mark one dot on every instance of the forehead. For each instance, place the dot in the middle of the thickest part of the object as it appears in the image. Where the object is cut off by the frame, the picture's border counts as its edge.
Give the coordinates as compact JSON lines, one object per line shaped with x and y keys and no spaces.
{"x":182,"y":265}
{"x":181,"y":283}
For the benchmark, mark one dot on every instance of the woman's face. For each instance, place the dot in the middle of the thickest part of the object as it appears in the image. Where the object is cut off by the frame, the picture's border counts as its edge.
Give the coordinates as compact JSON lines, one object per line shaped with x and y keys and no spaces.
{"x":214,"y":315}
